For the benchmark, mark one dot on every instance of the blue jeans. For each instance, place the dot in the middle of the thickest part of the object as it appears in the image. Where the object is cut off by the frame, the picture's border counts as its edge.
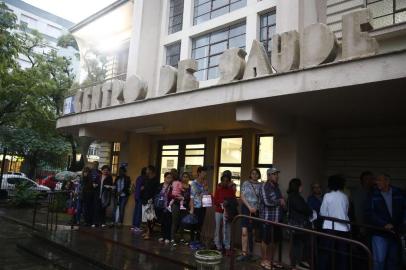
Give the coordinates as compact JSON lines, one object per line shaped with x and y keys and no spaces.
{"x":385,"y":252}
{"x":137,"y":216}
{"x":122,"y":201}
{"x":220,"y":220}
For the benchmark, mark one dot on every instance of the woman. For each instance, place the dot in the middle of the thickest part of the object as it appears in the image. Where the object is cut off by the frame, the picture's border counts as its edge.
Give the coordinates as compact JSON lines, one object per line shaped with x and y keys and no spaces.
{"x":250,"y":204}
{"x":88,"y":196}
{"x":137,"y":216}
{"x":161,"y":204}
{"x":299,"y":214}
{"x":335,"y":204}
{"x":180,"y":205}
{"x":148,"y":191}
{"x":103,"y":187}
{"x":223,"y":192}
{"x":122,"y":192}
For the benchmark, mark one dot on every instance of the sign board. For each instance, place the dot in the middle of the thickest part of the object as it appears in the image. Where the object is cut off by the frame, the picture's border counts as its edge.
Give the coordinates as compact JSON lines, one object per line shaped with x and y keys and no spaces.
{"x":68,"y":105}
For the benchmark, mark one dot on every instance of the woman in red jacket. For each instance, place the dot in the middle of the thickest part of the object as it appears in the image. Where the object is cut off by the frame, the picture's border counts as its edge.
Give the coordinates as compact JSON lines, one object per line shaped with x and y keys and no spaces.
{"x":224,"y":191}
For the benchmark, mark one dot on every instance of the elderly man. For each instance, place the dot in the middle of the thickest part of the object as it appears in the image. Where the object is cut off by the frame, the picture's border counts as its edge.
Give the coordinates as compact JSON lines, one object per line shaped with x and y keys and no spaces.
{"x":386,"y":209}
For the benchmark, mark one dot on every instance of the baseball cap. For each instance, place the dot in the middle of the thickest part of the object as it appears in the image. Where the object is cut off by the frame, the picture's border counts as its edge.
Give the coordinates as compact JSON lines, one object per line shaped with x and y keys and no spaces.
{"x":272,"y":170}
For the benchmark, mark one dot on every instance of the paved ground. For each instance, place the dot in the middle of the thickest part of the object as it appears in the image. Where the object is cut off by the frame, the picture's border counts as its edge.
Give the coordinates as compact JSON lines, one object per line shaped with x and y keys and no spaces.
{"x":10,"y":256}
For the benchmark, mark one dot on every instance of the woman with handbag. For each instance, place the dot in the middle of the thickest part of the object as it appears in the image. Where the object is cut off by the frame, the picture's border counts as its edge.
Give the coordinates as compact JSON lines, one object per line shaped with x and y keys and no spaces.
{"x":250,"y":205}
{"x":299,"y":215}
{"x":122,"y":192}
{"x":103,"y":187}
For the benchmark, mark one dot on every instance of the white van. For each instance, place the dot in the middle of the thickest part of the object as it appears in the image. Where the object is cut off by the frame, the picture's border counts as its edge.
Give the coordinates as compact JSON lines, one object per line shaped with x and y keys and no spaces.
{"x":9,"y":182}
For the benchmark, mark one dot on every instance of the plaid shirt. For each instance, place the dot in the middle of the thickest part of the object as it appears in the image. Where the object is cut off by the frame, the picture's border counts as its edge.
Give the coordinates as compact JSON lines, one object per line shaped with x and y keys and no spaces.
{"x":270,"y":195}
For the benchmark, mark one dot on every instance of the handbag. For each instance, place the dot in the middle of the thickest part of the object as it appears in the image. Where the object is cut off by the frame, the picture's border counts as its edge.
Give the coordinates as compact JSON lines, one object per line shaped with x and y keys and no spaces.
{"x":71,"y":211}
{"x":207,"y":201}
{"x":189,"y":220}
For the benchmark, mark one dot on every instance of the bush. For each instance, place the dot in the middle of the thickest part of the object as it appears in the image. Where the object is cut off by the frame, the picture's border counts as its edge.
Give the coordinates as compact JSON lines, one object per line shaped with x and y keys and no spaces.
{"x":23,"y":195}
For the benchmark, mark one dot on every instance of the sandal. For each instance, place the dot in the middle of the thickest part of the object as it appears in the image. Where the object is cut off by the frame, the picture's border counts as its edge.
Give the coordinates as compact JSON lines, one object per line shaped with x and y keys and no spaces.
{"x":265,"y":265}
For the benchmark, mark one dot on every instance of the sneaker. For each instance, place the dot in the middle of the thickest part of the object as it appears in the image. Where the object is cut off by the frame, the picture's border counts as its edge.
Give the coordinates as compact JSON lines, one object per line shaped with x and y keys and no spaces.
{"x":243,"y":258}
{"x":103,"y":225}
{"x":93,"y":226}
{"x":167,"y":241}
{"x":161,"y":240}
{"x":173,"y":243}
{"x":182,"y":207}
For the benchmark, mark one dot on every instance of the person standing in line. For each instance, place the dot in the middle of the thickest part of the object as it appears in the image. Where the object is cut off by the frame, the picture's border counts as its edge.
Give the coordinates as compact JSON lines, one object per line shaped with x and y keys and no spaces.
{"x":183,"y":212}
{"x":299,"y":215}
{"x":176,"y":204}
{"x":137,"y":215}
{"x":102,"y":196}
{"x":122,"y":192}
{"x":335,"y":205}
{"x":148,"y":191}
{"x":386,"y":208}
{"x":162,"y":212}
{"x":314,"y":201}
{"x":198,"y":188}
{"x":271,"y":205}
{"x":249,"y":207}
{"x":88,"y":196}
{"x":223,"y":192}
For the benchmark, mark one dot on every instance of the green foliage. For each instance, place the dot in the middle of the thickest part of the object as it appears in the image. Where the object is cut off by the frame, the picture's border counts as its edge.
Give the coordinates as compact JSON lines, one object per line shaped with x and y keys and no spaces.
{"x":23,"y":195}
{"x":67,"y":40}
{"x":31,"y":99}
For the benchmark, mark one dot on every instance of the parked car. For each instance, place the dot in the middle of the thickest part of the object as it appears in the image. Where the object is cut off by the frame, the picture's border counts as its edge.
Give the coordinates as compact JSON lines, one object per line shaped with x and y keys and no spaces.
{"x":9,"y":182}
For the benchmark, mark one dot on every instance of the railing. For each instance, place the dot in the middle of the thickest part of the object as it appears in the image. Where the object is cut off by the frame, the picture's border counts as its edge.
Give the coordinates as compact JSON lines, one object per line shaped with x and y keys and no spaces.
{"x":312,"y":233}
{"x":70,"y":100}
{"x":51,"y":207}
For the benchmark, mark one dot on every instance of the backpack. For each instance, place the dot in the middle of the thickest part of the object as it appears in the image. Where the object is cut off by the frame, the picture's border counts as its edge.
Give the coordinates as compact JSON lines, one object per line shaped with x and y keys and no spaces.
{"x":230,"y":209}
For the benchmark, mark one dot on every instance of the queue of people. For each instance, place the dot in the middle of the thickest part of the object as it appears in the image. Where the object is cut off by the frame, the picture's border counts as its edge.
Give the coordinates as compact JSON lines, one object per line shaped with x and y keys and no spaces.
{"x":180,"y":203}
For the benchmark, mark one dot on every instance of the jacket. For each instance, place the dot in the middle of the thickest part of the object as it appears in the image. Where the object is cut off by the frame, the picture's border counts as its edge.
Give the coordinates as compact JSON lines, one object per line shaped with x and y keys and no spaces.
{"x":151,"y":187}
{"x":127,"y":185}
{"x":220,"y":195}
{"x":299,"y":210}
{"x":378,"y":214}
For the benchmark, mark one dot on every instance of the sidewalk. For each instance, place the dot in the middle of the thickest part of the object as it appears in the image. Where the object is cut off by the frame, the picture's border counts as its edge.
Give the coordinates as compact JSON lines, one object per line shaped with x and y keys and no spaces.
{"x":115,"y":248}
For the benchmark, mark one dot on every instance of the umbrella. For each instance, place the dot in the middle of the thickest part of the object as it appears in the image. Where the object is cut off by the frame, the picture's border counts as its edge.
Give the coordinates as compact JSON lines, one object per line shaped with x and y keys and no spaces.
{"x":66,"y":176}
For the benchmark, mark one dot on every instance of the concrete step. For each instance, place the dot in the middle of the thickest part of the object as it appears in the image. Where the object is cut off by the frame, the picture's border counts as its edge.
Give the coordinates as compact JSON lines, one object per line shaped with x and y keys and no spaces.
{"x":55,"y":256}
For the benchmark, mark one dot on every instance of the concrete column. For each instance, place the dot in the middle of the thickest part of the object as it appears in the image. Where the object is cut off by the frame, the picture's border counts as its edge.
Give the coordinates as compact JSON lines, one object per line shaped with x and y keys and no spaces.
{"x":136,"y":154}
{"x":252,"y":25}
{"x":248,"y":153}
{"x":186,"y":43}
{"x":287,"y":15}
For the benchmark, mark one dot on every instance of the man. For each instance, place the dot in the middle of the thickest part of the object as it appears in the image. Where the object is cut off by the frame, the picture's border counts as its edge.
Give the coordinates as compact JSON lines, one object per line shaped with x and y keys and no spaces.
{"x":386,"y":209}
{"x":271,"y":205}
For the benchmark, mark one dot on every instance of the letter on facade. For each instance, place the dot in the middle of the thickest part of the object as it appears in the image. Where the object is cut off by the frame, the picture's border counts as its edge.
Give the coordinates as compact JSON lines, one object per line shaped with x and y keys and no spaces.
{"x":285,"y":51}
{"x":356,"y":40}
{"x":318,"y":46}
{"x":106,"y":89}
{"x":117,"y":96}
{"x":96,"y":97}
{"x":231,"y":65}
{"x":258,"y":62}
{"x":135,"y":89}
{"x":87,"y":99}
{"x":167,"y":80}
{"x":78,"y":101}
{"x":186,"y":80}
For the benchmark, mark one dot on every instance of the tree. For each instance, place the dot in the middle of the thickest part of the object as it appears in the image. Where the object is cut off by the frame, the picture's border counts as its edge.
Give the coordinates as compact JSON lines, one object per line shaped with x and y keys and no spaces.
{"x":31,"y":99}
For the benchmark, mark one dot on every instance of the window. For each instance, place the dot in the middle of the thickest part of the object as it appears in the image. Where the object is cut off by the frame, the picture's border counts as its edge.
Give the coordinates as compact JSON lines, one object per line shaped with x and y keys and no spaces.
{"x":230,"y":159}
{"x":92,"y":151}
{"x":173,"y":54}
{"x":267,"y":30}
{"x":264,"y":154}
{"x":28,"y":21}
{"x":184,"y":156}
{"x":175,"y":16}
{"x":115,"y":153}
{"x":387,"y":12}
{"x":53,"y":31}
{"x":205,"y":10}
{"x":207,"y":49}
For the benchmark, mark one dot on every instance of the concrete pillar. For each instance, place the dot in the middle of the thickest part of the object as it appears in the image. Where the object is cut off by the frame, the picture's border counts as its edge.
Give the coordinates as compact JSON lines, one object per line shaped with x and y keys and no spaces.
{"x":135,"y":153}
{"x":186,"y":43}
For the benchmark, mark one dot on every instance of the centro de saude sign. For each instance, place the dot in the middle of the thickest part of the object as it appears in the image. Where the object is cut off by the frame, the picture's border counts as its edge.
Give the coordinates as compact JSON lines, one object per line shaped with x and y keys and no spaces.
{"x":316,"y":45}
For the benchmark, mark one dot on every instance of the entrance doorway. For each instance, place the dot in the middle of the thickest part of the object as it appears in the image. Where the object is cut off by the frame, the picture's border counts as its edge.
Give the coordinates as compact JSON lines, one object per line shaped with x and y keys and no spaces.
{"x":184,"y":155}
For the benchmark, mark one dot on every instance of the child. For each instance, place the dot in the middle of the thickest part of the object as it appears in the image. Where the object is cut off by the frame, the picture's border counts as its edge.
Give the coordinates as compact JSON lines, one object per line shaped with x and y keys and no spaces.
{"x":177,"y":191}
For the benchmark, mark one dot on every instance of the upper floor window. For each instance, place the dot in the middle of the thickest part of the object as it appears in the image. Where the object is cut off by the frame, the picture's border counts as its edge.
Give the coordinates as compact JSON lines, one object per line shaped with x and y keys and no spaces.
{"x":53,"y":31}
{"x":387,"y":12}
{"x":205,"y":10}
{"x":175,"y":16}
{"x":207,"y":49}
{"x":267,"y":30}
{"x":173,"y":54}
{"x":28,"y":21}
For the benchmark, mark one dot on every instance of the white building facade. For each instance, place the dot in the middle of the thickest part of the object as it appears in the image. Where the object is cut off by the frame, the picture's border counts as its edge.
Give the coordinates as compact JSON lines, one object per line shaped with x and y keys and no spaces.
{"x":337,"y":107}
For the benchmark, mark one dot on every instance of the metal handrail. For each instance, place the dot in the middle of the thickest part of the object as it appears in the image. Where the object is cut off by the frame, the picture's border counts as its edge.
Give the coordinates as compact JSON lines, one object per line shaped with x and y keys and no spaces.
{"x":51,"y":214}
{"x":299,"y":229}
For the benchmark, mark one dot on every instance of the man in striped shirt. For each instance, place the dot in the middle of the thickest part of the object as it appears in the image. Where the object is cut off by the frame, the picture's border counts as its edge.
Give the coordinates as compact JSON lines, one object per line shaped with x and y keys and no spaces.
{"x":271,"y":204}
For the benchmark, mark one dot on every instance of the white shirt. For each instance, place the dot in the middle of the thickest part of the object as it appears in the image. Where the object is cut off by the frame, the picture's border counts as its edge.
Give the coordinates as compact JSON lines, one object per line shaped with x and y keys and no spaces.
{"x":335,"y":204}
